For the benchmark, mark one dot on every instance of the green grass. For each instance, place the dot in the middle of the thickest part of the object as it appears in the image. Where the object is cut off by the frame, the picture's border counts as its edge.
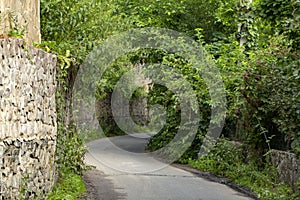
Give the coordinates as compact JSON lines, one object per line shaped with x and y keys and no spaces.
{"x":70,"y":186}
{"x":227,"y":161}
{"x":263,"y":183}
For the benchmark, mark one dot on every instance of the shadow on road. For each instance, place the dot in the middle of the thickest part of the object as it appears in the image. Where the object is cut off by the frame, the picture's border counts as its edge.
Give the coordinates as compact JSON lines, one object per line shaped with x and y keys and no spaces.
{"x":99,"y":187}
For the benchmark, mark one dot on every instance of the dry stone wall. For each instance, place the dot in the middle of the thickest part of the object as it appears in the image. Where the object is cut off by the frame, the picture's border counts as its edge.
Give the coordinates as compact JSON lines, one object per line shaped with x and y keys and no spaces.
{"x":27,"y":120}
{"x":288,"y":167}
{"x":138,"y":112}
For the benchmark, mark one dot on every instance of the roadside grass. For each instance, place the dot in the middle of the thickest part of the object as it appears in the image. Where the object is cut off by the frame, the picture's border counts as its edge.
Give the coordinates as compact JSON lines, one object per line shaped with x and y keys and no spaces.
{"x":261,"y":183}
{"x":228,"y":161}
{"x":70,"y":186}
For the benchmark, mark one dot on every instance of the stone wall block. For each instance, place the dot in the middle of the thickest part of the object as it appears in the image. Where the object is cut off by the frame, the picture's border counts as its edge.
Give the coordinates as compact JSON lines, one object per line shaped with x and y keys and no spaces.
{"x":288,"y":166}
{"x":27,"y":120}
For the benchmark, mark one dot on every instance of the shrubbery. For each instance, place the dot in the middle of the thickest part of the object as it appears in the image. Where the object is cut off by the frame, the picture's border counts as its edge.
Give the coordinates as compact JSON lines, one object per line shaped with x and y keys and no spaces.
{"x":261,"y":77}
{"x":272,"y":98}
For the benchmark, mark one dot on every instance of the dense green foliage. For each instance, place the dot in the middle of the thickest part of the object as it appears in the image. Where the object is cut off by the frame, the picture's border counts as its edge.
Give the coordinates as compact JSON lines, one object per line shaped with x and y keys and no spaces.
{"x":272,"y":99}
{"x":277,"y":95}
{"x":78,"y":26}
{"x":284,"y":17}
{"x":170,"y":101}
{"x":71,"y":29}
{"x":230,"y":160}
{"x":254,"y":45}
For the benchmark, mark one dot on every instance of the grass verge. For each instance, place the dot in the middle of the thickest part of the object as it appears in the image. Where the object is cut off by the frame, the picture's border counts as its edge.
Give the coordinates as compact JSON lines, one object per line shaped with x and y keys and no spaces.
{"x":228,"y":161}
{"x":70,"y":186}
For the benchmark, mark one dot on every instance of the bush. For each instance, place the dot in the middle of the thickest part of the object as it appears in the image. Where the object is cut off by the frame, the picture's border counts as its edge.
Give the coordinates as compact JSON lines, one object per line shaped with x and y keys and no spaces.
{"x":272,"y":98}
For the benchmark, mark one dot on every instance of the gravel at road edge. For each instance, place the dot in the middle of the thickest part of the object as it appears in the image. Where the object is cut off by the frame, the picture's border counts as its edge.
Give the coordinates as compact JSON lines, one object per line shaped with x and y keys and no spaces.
{"x":99,"y":190}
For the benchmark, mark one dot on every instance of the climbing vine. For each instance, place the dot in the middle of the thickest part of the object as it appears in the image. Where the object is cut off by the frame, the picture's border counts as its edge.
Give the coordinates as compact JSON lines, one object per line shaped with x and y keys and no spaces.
{"x":70,"y":31}
{"x":70,"y":149}
{"x":260,"y":73}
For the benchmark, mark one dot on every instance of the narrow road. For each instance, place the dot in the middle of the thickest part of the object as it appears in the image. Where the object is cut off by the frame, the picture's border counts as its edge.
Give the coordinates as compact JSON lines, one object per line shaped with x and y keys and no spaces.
{"x":125,"y":171}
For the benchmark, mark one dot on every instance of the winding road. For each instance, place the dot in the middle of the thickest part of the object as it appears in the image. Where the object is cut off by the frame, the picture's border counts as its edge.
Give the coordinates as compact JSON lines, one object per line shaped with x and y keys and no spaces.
{"x":125,"y":171}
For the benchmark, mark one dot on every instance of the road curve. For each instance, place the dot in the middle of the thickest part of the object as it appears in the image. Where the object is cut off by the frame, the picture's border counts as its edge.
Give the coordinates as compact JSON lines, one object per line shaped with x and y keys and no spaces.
{"x":137,"y":176}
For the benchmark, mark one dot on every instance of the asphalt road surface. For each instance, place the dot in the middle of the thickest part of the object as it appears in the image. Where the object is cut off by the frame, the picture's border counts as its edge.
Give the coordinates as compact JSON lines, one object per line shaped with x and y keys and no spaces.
{"x":125,"y":171}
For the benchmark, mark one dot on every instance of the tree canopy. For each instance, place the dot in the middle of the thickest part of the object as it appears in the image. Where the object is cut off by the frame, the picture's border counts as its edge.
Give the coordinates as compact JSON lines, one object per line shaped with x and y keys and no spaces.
{"x":253,"y":43}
